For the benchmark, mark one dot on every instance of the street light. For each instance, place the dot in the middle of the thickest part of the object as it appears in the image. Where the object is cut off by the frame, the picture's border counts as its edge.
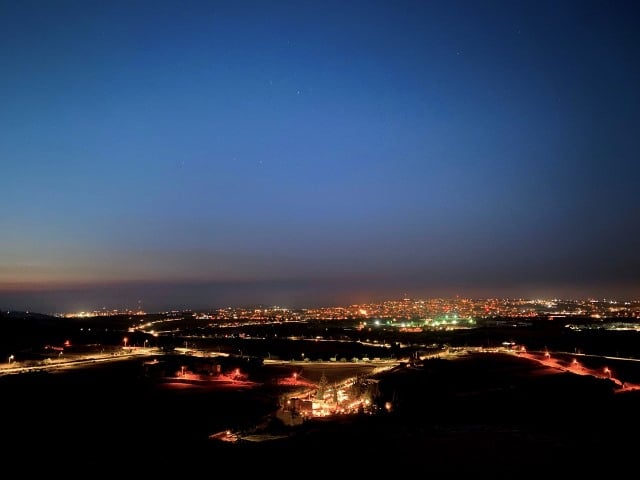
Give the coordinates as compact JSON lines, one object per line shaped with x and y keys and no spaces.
{"x":125,"y":339}
{"x":11,"y":357}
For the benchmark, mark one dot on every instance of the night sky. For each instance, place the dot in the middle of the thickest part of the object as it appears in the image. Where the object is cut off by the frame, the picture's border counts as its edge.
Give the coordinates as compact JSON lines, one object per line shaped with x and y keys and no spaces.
{"x":185,"y":154}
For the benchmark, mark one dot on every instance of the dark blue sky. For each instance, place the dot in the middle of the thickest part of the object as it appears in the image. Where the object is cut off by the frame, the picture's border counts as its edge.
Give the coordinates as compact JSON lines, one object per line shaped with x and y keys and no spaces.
{"x":203,"y":154}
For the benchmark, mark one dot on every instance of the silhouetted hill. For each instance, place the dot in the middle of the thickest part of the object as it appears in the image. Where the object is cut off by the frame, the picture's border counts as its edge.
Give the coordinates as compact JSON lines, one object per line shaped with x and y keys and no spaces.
{"x":27,"y":331}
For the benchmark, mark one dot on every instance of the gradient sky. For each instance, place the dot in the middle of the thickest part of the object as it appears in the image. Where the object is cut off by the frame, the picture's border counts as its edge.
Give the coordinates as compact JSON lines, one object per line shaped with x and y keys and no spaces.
{"x":191,"y":154}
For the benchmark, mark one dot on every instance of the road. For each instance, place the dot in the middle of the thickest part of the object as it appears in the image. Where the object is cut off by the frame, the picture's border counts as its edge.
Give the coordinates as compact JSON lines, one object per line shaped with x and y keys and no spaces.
{"x":15,"y":367}
{"x":576,"y":367}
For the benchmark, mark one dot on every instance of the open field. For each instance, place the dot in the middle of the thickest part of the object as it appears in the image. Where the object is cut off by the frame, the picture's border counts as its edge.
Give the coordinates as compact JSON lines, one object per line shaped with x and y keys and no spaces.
{"x":457,"y":415}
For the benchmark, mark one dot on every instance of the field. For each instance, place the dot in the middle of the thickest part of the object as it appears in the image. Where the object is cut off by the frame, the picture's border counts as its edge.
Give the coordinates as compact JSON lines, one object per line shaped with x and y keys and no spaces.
{"x":473,"y":412}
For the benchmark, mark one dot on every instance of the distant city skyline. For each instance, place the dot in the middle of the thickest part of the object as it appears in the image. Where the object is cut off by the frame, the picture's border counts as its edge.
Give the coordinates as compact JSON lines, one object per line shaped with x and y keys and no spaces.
{"x":198,"y":154}
{"x":294,"y":296}
{"x":458,"y":312}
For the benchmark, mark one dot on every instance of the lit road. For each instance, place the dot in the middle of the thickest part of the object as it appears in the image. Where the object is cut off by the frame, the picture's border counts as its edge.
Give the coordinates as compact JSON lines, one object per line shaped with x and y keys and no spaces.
{"x":16,"y":367}
{"x":576,"y":367}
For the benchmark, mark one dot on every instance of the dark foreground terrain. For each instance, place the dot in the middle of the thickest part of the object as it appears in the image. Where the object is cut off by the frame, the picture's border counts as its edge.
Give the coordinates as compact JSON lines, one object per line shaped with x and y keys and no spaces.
{"x":483,"y":414}
{"x":486,"y":415}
